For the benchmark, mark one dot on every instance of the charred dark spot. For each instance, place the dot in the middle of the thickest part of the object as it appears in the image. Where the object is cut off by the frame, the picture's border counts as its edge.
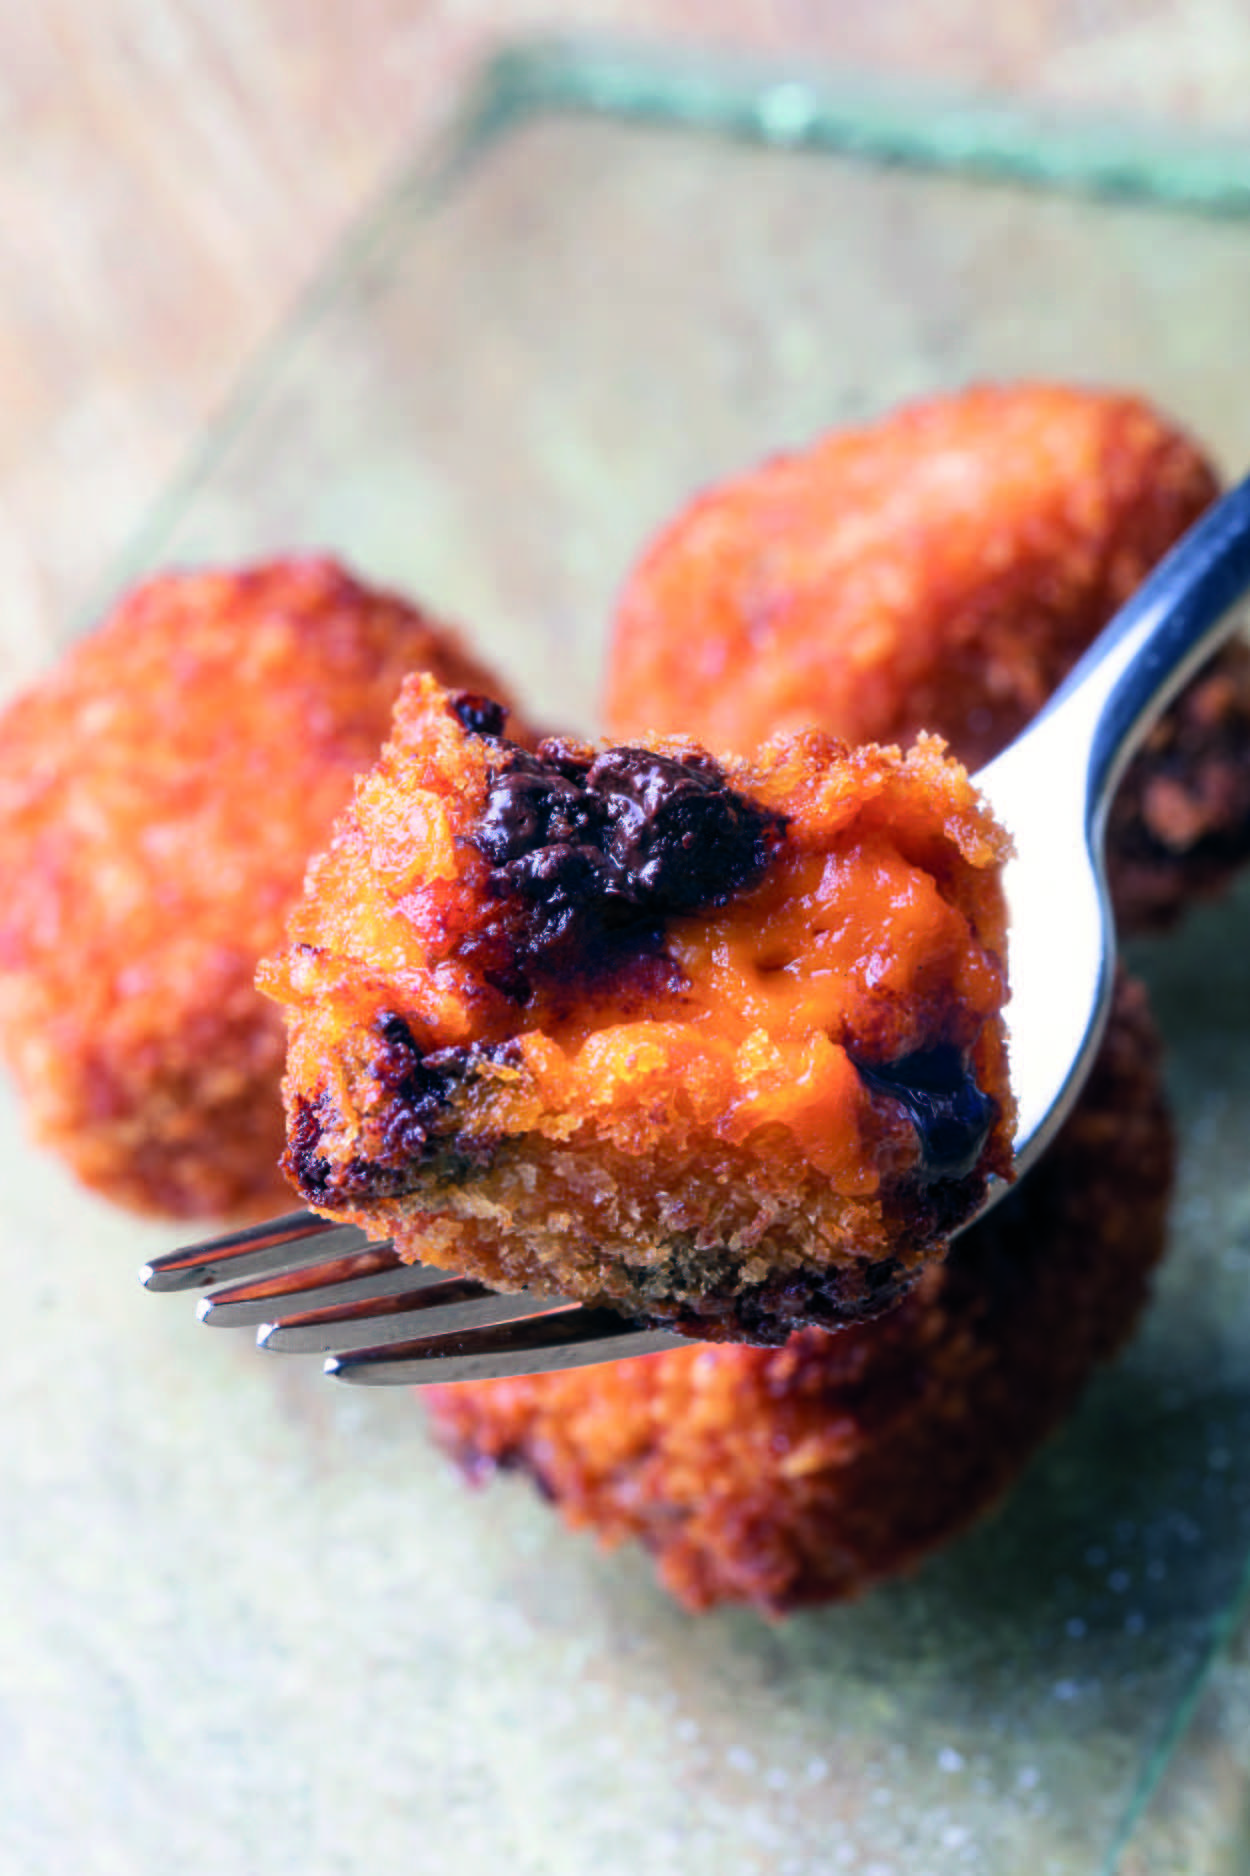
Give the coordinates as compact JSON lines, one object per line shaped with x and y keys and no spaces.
{"x":302,"y":1161}
{"x":589,"y":855}
{"x":406,"y":1130}
{"x":481,"y":716}
{"x":951,"y":1115}
{"x":767,"y":1314}
{"x":421,"y":1089}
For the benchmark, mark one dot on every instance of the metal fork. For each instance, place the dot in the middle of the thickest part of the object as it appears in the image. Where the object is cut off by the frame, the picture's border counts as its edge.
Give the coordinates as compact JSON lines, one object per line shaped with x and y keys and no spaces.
{"x":313,"y":1285}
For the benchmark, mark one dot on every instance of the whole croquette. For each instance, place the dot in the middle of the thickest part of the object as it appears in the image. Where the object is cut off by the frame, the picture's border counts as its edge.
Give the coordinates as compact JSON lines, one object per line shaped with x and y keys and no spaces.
{"x":716,"y":1044}
{"x":160,"y":793}
{"x":799,"y":1475}
{"x":942,"y":569}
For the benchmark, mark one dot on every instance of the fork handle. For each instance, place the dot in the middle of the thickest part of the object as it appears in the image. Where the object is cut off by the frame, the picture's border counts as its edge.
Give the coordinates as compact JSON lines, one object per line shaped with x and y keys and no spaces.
{"x":1155,"y":643}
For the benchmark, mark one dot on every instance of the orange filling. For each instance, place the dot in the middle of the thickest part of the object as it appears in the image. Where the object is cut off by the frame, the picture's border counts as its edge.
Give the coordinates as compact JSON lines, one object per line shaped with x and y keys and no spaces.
{"x":836,"y":956}
{"x":876,"y":933}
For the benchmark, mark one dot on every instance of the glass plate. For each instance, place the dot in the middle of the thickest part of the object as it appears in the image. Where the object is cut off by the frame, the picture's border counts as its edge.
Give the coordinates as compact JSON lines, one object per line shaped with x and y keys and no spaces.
{"x":294,"y":1641}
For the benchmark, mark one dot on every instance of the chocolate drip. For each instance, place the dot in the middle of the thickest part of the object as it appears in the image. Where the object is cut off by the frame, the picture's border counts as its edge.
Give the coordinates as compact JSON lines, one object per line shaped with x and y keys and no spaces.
{"x":951,"y":1116}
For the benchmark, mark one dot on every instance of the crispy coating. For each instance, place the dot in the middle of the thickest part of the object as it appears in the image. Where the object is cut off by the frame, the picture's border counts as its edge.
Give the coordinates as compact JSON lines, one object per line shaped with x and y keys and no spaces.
{"x":160,"y":792}
{"x":942,"y":569}
{"x":717,"y":1045}
{"x":1179,"y":826}
{"x":800,"y":1475}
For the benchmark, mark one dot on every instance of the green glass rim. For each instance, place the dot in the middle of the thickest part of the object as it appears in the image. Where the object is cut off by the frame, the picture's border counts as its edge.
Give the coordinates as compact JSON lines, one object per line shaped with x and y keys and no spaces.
{"x":862,"y":116}
{"x":842,"y":114}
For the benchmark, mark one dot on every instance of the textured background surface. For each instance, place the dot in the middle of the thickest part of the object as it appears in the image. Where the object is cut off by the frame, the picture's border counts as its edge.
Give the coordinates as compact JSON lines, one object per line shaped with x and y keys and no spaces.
{"x":172,"y":171}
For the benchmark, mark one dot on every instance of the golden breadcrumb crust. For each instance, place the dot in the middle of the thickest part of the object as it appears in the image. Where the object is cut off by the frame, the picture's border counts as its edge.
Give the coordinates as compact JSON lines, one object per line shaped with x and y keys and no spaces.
{"x":942,"y":569}
{"x":614,"y":1071}
{"x":160,"y":792}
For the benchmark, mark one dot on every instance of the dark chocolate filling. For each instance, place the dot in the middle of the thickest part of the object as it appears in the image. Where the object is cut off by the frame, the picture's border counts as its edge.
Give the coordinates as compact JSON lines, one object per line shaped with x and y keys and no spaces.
{"x":481,"y":716}
{"x":951,"y":1115}
{"x":590,"y":854}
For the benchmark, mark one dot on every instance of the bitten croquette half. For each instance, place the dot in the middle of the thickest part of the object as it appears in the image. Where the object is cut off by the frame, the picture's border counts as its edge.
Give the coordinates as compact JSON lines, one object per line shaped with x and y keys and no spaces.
{"x":160,"y":793}
{"x":718,"y":1045}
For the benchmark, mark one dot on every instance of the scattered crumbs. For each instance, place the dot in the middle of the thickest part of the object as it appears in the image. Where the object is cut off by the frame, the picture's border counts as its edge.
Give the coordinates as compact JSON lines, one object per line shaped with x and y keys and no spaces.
{"x":741,"y":1759}
{"x":1075,"y":1626}
{"x":1119,"y":1581}
{"x":949,"y":1760}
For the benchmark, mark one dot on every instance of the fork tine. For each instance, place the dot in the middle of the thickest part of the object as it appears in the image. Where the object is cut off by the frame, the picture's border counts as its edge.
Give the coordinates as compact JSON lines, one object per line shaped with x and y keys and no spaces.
{"x":566,"y":1336}
{"x":374,"y":1272}
{"x":255,"y":1251}
{"x":455,"y":1305}
{"x":361,"y":1301}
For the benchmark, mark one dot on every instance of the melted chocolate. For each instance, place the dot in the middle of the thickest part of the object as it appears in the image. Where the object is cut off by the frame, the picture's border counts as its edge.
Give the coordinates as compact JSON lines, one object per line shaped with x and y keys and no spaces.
{"x":951,"y":1116}
{"x":590,"y":855}
{"x":481,"y":716}
{"x":677,"y":836}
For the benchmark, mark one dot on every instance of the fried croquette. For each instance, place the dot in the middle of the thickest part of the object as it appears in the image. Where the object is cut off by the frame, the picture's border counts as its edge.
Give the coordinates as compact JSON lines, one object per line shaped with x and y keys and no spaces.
{"x":1179,"y":825}
{"x":160,"y":793}
{"x":793,"y":1476}
{"x":717,"y":1045}
{"x":942,"y":569}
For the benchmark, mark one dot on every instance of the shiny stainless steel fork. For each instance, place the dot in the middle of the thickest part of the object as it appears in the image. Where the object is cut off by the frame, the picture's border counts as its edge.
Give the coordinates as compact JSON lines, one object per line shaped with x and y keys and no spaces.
{"x":313,"y":1285}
